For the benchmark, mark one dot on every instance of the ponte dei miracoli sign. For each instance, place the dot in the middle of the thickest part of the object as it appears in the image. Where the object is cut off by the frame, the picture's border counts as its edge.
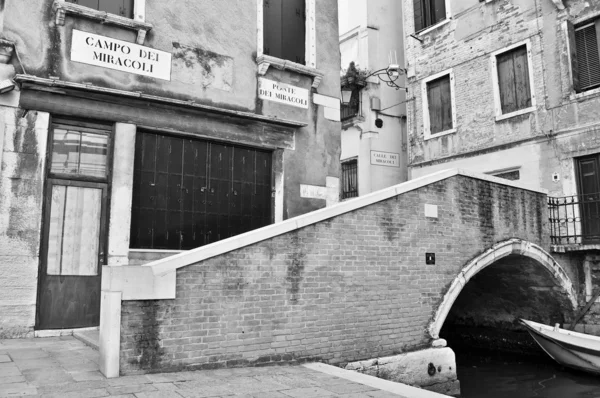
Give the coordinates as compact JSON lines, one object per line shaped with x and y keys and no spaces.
{"x":107,"y":52}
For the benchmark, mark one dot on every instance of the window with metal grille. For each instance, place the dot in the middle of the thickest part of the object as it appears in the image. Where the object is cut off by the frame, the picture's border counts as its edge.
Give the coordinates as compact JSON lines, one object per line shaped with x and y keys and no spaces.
{"x":587,"y":72}
{"x":513,"y":80}
{"x":350,"y":179}
{"x":428,"y":13}
{"x":123,"y":8}
{"x":284,"y":30}
{"x":439,"y":102}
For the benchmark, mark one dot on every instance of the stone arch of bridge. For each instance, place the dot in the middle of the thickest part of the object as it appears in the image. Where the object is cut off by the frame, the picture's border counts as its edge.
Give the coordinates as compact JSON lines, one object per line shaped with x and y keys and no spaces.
{"x":490,"y":256}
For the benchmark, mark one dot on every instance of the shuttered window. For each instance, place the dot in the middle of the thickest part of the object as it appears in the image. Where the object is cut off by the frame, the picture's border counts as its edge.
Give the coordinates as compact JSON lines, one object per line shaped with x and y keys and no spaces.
{"x":284,"y":30}
{"x":513,"y":80}
{"x":117,"y":7}
{"x":428,"y":13}
{"x":588,"y":56}
{"x":439,"y":102}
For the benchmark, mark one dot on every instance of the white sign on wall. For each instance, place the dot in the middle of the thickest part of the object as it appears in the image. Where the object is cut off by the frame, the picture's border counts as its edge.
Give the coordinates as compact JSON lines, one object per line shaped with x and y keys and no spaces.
{"x":107,"y":52}
{"x":280,"y":92}
{"x":385,"y":159}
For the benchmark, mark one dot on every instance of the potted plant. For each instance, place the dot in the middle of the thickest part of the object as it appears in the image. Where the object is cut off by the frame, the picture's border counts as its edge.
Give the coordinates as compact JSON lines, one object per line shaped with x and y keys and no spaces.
{"x":354,"y":77}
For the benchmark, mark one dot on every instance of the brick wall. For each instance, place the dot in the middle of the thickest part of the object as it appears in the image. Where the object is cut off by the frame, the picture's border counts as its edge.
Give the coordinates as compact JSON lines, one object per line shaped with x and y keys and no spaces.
{"x":567,"y":122}
{"x":353,"y":287}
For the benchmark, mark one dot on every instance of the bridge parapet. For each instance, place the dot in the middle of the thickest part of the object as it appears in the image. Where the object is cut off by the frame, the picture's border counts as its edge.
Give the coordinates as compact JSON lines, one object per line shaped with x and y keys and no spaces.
{"x":341,"y":284}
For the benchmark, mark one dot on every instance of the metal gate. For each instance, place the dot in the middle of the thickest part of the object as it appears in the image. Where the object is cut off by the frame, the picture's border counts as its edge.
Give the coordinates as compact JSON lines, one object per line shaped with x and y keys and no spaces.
{"x":189,"y":192}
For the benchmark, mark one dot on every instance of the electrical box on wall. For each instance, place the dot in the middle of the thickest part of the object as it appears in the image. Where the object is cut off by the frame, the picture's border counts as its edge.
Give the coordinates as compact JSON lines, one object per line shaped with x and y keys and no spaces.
{"x":375,"y":104}
{"x":555,"y":177}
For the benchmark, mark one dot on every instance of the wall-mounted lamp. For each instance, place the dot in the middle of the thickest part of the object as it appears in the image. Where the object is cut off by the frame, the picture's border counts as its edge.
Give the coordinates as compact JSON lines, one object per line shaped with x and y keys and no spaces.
{"x":390,"y":75}
{"x":346,"y":95}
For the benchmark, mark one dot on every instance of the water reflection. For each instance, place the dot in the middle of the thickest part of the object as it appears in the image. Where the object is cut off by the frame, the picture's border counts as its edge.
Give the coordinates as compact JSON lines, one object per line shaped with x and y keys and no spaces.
{"x":501,"y":375}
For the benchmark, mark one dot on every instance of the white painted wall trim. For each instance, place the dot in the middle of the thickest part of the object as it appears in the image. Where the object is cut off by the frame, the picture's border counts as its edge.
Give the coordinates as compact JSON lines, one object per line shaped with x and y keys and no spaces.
{"x":490,"y":256}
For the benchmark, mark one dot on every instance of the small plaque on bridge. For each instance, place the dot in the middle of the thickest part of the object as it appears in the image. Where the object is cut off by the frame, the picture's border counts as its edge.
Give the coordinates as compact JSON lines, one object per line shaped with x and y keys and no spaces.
{"x":430,"y":258}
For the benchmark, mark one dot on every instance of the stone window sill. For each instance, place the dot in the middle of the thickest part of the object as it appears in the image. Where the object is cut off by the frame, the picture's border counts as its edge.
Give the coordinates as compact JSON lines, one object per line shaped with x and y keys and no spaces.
{"x":515,"y":113}
{"x":61,"y":8}
{"x":433,"y":27}
{"x":584,"y":94}
{"x":430,"y":136}
{"x":265,"y":61}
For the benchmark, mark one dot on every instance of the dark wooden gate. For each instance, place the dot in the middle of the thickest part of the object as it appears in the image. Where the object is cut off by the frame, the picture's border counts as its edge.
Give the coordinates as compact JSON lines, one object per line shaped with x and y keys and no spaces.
{"x":588,"y":173}
{"x":74,"y":229}
{"x":189,"y":192}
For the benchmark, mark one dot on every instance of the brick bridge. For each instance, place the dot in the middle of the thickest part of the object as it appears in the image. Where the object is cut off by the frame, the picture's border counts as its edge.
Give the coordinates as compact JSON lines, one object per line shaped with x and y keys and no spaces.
{"x":345,"y":283}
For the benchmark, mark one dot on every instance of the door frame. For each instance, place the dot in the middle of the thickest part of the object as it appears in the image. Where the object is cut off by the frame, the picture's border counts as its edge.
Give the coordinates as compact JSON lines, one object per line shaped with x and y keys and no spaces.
{"x":51,"y":179}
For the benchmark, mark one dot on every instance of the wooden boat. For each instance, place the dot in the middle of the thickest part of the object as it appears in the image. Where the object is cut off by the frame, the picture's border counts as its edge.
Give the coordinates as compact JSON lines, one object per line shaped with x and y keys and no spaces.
{"x":572,"y":349}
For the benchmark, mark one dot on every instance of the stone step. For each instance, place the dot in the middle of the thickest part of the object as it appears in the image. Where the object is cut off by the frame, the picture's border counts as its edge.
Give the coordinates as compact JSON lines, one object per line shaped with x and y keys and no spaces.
{"x":90,"y":337}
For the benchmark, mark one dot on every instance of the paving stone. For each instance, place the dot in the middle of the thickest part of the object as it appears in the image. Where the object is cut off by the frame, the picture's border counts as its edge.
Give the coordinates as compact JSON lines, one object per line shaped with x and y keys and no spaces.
{"x":127,"y":380}
{"x":249,"y":385}
{"x":27,"y":353}
{"x":168,"y":377}
{"x":12,"y":379}
{"x":36,"y":363}
{"x":4,"y":358}
{"x":98,"y":392}
{"x":9,"y":369}
{"x":348,"y":387}
{"x":17,"y":389}
{"x":158,"y":394}
{"x":66,"y":387}
{"x":130,"y":389}
{"x":270,"y":394}
{"x":80,"y":367}
{"x":384,"y":394}
{"x":192,"y":389}
{"x":287,"y":380}
{"x":309,"y":392}
{"x":88,"y":375}
{"x":45,"y":376}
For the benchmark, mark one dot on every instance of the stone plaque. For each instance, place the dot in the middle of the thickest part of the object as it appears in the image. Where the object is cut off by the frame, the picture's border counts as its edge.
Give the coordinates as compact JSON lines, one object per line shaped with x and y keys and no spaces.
{"x":271,"y":90}
{"x":385,"y":159}
{"x":107,"y":52}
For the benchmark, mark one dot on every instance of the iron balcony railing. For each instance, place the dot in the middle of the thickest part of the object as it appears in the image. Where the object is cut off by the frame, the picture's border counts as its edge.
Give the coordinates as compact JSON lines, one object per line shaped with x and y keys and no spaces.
{"x":575,"y":219}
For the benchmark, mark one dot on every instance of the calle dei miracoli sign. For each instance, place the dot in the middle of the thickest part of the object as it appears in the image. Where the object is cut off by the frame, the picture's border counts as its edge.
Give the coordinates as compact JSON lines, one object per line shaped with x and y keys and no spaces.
{"x":107,"y":52}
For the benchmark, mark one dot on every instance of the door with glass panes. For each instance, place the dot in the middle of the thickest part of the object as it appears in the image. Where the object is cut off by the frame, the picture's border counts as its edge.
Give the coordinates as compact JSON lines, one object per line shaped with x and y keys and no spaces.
{"x":75,"y":212}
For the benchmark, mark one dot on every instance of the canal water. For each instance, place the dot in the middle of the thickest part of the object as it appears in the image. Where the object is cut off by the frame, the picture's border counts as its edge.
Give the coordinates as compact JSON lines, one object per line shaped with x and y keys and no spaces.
{"x":496,"y":374}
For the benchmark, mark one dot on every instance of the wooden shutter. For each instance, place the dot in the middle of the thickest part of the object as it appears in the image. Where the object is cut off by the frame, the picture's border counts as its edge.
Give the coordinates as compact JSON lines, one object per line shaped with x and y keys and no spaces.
{"x":588,"y":173}
{"x":419,"y":15}
{"x":439,"y":11}
{"x":294,"y":32}
{"x":573,"y":55}
{"x":272,"y":27}
{"x":117,"y":7}
{"x":513,"y":80}
{"x":439,"y":101}
{"x":588,"y":59}
{"x":285,"y":29}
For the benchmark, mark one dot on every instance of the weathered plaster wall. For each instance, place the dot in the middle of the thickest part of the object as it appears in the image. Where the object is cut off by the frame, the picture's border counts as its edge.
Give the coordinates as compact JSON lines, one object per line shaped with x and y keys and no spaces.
{"x":326,"y":291}
{"x":214,"y":50}
{"x":21,"y":187}
{"x":562,"y":120}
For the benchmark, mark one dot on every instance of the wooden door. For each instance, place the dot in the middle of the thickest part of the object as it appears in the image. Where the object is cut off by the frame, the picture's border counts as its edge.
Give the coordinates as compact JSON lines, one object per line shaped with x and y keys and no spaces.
{"x":588,"y":169}
{"x":189,"y":192}
{"x":74,"y":229}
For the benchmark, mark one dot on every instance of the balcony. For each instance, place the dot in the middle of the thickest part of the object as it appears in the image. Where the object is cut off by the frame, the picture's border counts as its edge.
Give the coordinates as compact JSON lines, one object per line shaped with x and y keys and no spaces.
{"x":575,"y":222}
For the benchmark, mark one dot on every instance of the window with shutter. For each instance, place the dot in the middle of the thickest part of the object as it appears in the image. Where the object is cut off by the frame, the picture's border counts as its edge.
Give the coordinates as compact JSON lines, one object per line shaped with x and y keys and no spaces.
{"x":123,"y":8}
{"x":428,"y":13}
{"x":514,"y":89}
{"x":285,"y":29}
{"x":439,"y":101}
{"x":587,"y":54}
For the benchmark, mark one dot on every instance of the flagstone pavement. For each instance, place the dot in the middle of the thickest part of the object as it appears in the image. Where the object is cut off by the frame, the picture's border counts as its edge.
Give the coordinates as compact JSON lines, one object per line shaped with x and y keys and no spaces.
{"x":65,"y":367}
